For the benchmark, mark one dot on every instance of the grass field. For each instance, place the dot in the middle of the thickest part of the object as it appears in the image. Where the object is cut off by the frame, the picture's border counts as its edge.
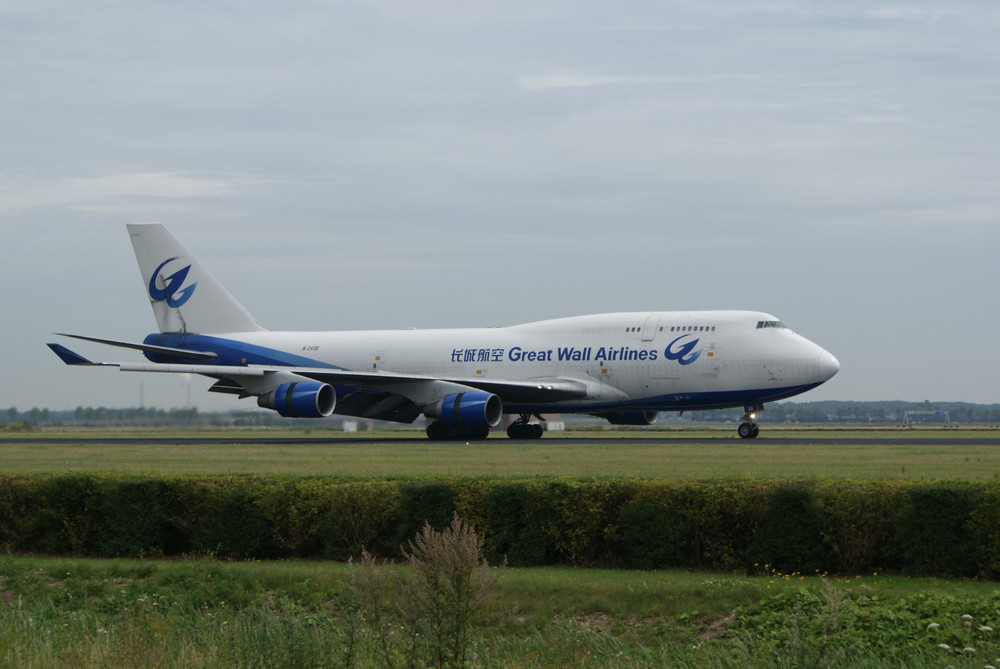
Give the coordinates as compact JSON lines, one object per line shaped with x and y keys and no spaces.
{"x":198,"y":612}
{"x":671,"y":453}
{"x":201,"y":612}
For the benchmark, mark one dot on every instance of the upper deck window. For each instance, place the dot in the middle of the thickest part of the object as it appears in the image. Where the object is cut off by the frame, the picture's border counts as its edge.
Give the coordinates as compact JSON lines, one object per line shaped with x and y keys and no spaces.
{"x":770,"y":324}
{"x":691,"y":328}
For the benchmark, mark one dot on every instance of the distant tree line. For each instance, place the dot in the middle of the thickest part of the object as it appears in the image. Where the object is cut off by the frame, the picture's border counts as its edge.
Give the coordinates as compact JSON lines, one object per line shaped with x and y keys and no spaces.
{"x":833,"y":412}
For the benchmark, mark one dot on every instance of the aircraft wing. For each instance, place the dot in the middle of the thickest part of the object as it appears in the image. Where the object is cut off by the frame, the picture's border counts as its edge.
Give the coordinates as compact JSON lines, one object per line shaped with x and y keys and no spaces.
{"x":533,"y":390}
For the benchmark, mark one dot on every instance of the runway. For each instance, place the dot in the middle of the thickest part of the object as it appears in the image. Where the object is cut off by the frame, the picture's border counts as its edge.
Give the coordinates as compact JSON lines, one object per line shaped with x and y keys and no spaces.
{"x":915,"y":440}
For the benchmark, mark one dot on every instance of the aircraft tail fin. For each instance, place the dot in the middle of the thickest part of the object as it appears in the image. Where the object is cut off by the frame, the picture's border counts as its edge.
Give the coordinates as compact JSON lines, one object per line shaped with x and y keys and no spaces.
{"x":185,"y":297}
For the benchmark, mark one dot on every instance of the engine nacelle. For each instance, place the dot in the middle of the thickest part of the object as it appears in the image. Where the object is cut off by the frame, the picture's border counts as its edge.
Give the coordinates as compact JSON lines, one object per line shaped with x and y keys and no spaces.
{"x":475,"y":409}
{"x":306,"y":399}
{"x":631,"y":417}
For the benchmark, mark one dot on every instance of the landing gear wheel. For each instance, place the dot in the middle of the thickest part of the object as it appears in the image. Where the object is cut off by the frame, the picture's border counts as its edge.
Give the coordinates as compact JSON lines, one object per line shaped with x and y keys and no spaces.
{"x":438,"y":431}
{"x":518,"y":431}
{"x":749,"y":429}
{"x":522,"y":429}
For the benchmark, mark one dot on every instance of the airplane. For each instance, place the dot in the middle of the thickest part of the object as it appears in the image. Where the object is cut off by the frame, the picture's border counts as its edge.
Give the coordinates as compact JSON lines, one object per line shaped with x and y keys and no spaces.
{"x":623,"y":367}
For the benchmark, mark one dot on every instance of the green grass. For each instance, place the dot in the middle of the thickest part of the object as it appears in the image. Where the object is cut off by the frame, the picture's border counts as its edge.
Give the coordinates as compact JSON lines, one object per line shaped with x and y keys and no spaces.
{"x":610,"y":454}
{"x":200,"y":612}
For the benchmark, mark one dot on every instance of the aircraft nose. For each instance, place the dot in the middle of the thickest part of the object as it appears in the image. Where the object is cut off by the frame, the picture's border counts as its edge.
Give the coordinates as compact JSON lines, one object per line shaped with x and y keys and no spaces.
{"x":828,"y":366}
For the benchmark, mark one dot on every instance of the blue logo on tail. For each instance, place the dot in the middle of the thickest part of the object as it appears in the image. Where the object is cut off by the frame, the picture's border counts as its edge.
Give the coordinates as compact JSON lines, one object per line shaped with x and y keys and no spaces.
{"x":171,"y":291}
{"x":685,"y":353}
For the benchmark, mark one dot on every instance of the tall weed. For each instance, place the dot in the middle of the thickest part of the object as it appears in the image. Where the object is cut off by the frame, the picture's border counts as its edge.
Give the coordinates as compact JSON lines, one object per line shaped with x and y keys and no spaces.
{"x":428,"y":616}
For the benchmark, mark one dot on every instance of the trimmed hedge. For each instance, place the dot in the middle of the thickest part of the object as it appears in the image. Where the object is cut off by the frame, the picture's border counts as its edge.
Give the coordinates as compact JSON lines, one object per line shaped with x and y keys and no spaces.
{"x":938,"y":528}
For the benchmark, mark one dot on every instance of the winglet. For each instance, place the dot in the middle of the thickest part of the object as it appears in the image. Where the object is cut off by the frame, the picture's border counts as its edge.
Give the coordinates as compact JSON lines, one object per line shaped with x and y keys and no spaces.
{"x":68,"y":356}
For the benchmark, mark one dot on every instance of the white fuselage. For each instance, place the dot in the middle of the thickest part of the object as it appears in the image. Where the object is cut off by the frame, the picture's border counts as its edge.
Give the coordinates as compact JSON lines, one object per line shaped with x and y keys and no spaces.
{"x":644,"y":360}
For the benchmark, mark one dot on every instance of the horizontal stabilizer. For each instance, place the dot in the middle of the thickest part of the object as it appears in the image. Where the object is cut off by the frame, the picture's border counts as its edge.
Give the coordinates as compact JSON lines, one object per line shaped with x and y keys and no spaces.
{"x":68,"y":356}
{"x":148,"y":348}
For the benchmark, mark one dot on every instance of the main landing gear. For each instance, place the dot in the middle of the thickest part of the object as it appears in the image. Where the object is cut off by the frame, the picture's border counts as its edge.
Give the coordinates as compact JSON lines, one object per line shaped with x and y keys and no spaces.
{"x":749,"y":429}
{"x":439,"y":431}
{"x":522,"y":429}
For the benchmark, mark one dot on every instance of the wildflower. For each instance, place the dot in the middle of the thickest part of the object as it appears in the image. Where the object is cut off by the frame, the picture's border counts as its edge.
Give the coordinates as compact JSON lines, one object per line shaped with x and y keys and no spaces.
{"x":985,"y":628}
{"x":966,"y":617}
{"x":933,"y":626}
{"x":969,"y":651}
{"x":944,"y":646}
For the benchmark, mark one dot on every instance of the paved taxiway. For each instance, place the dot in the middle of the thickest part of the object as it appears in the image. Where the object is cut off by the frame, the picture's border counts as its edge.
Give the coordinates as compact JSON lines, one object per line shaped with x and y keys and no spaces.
{"x":621,"y":441}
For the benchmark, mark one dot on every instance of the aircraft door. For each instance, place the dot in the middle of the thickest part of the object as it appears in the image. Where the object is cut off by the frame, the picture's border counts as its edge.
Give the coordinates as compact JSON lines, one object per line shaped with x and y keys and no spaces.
{"x":651,"y":327}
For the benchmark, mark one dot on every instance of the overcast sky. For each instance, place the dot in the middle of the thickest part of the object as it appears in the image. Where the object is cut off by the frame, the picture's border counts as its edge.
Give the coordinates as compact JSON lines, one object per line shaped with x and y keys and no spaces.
{"x":353,"y":165}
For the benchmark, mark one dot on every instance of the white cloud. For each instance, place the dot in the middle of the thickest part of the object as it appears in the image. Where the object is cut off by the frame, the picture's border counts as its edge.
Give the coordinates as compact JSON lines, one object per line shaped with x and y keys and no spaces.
{"x":928,"y":13}
{"x":113,"y":192}
{"x":552,"y":80}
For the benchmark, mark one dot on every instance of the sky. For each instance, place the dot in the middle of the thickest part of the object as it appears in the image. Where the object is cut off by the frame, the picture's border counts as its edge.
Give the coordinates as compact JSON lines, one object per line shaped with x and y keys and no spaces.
{"x":357,"y":165}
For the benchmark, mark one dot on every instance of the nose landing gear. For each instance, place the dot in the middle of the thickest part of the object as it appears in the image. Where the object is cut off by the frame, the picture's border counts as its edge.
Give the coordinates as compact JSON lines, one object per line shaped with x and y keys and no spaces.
{"x":749,"y":429}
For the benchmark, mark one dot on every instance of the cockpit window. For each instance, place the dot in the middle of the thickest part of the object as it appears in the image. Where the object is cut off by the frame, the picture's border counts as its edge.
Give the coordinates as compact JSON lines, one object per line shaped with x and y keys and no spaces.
{"x":770,"y":324}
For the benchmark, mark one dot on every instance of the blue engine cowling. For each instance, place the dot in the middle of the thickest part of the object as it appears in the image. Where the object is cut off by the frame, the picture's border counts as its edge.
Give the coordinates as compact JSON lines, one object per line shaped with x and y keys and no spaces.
{"x":631,"y":417}
{"x":473,"y":409}
{"x":306,"y":399}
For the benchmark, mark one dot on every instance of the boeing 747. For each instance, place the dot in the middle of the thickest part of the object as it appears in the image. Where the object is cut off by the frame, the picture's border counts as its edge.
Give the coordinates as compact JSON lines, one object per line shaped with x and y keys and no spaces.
{"x":623,"y":367}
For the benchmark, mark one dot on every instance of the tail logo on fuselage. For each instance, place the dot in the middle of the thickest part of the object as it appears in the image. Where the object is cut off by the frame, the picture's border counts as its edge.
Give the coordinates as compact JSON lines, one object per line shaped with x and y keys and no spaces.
{"x":171,"y":291}
{"x":685,"y":353}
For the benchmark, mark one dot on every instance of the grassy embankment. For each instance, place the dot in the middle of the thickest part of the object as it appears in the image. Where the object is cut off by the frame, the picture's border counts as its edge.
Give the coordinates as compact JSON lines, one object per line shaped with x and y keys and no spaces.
{"x":201,"y":612}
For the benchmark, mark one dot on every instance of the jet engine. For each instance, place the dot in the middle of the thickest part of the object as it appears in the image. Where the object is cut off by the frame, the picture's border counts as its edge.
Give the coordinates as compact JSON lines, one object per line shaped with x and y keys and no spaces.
{"x":473,"y":409}
{"x":306,"y":399}
{"x":630,"y":417}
